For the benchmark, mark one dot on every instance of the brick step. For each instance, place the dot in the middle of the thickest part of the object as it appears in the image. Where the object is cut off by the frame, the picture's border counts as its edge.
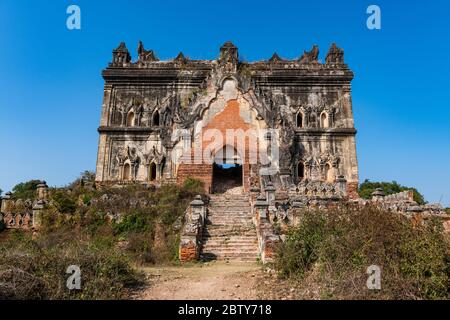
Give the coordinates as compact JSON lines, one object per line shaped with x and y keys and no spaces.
{"x":232,"y":241}
{"x":229,"y":209}
{"x":230,"y":225}
{"x":225,"y":234}
{"x":230,"y":250}
{"x":230,"y":228}
{"x":234,"y":197}
{"x":244,"y":225}
{"x":218,"y":248}
{"x":231,"y":231}
{"x":230,"y":215}
{"x":231,"y":254}
{"x":232,"y":201}
{"x":230,"y":237}
{"x":235,"y":257}
{"x":229,"y":222}
{"x":213,"y":243}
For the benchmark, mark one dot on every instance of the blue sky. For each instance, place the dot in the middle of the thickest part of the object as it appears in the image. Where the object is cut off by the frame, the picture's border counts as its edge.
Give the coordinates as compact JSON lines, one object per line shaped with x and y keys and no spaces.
{"x":51,"y":88}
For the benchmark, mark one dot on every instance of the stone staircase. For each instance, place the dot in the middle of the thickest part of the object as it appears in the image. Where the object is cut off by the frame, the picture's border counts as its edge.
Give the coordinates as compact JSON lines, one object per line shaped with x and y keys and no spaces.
{"x":229,"y":232}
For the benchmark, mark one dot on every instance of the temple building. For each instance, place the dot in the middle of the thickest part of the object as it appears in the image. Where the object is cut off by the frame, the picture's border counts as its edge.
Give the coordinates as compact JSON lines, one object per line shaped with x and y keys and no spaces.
{"x":284,"y":123}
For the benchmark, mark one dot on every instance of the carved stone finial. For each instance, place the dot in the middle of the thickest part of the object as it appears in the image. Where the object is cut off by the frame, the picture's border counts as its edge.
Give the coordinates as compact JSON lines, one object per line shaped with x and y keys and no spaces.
{"x":146,"y":55}
{"x":275,"y":58}
{"x":229,"y":57}
{"x":180,"y":58}
{"x":335,"y":55}
{"x":378,"y":195}
{"x":121,"y":55}
{"x":310,"y":56}
{"x":197,"y":201}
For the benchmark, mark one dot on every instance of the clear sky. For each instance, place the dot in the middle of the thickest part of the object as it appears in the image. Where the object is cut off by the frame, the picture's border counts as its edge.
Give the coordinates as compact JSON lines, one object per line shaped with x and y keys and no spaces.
{"x":51,"y":88}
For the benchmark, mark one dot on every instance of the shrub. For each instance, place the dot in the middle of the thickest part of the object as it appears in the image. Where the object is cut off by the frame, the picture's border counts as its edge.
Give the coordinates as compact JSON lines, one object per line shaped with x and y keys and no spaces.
{"x":133,"y":222}
{"x":336,"y":247}
{"x":36,"y":269}
{"x":367,"y":188}
{"x":85,"y":177}
{"x":76,"y":230}
{"x":193,"y":186}
{"x":64,"y":201}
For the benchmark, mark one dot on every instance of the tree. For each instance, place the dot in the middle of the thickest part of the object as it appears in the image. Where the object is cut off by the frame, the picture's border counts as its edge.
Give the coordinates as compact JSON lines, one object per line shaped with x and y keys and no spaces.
{"x":85,"y":176}
{"x":367,"y":188}
{"x":25,"y":190}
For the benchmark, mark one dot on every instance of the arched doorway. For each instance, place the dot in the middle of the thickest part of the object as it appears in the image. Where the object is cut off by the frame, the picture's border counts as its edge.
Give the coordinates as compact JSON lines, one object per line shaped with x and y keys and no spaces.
{"x":126,"y":172}
{"x":227,"y":170}
{"x":153,"y":170}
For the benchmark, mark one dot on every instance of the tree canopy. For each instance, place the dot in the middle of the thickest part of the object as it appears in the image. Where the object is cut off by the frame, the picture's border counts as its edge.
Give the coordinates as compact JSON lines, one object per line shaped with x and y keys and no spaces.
{"x":25,"y":190}
{"x":368,"y":187}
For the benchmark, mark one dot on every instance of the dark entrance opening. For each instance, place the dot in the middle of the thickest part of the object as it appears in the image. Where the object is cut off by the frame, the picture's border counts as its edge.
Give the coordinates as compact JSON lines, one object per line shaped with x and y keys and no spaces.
{"x":152,"y":172}
{"x":226,"y":176}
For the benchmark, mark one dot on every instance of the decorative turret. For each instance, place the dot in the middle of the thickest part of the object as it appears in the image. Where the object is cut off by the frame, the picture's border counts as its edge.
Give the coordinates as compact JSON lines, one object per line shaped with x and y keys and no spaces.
{"x":146,"y":55}
{"x":378,"y":195}
{"x":7,"y":203}
{"x":229,"y":57}
{"x":180,"y":58}
{"x":42,"y":190}
{"x":335,"y":55}
{"x":121,"y":56}
{"x":275,"y":58}
{"x":310,"y":56}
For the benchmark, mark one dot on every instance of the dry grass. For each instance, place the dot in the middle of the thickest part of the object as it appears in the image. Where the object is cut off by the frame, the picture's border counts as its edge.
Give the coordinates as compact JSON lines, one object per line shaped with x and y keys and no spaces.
{"x":332,"y":250}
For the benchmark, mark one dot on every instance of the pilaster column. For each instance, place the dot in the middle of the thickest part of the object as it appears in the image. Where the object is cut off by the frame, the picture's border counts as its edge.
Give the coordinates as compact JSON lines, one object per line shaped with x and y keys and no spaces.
{"x":37,"y":214}
{"x":7,"y":203}
{"x":261,"y":207}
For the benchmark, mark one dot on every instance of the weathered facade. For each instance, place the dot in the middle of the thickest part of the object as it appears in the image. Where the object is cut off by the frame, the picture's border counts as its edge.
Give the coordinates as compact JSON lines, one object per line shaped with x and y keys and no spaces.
{"x":157,"y":116}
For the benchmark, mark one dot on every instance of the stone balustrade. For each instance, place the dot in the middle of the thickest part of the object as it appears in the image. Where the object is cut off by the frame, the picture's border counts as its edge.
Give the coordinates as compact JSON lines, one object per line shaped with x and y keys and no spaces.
{"x":24,"y":214}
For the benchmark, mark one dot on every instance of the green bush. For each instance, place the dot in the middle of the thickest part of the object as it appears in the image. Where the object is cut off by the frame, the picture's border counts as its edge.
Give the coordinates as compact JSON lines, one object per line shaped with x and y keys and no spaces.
{"x":64,"y":202}
{"x":193,"y":186}
{"x":133,"y":222}
{"x":367,"y":188}
{"x":336,"y":248}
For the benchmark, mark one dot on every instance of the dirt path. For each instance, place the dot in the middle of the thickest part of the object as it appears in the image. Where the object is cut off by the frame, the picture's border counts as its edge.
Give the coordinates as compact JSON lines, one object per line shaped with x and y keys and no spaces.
{"x":208,"y":281}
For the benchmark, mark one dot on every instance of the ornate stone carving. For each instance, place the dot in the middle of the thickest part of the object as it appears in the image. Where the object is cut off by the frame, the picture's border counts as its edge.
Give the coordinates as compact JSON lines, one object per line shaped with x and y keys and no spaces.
{"x":310,"y":56}
{"x":229,"y":57}
{"x":335,"y":55}
{"x":154,"y":156}
{"x":121,"y":56}
{"x":146,"y":56}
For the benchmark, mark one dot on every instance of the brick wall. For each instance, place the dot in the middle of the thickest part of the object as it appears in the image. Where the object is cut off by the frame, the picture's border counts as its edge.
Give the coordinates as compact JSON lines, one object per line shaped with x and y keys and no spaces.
{"x":228,"y":118}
